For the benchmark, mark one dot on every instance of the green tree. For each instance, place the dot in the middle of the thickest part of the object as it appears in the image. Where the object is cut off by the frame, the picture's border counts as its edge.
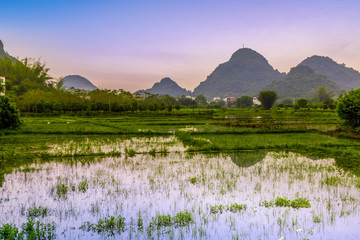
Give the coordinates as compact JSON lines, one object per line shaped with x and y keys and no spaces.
{"x":302,"y":102}
{"x":201,"y":99}
{"x":267,"y":99}
{"x":24,"y":75}
{"x":348,"y":107}
{"x":9,"y":115}
{"x":323,"y":94}
{"x":244,"y":102}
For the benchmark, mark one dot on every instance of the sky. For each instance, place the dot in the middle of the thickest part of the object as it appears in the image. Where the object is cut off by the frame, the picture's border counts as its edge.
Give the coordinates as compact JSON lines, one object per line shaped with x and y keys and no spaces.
{"x":131,"y":44}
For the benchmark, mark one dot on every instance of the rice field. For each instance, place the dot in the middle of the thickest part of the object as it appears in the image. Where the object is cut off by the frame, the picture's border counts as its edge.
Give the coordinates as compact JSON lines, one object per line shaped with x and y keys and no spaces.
{"x":137,"y":187}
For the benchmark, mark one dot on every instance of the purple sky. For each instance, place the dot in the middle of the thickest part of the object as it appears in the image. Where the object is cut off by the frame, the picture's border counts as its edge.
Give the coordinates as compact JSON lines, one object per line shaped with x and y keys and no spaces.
{"x":132,"y":44}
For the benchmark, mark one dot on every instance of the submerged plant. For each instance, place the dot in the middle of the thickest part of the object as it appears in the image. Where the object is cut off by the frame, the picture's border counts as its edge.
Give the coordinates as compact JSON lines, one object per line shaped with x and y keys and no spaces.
{"x":284,"y":202}
{"x":130,"y":152}
{"x":193,"y":180}
{"x":37,"y":212}
{"x":183,"y":218}
{"x":237,"y":207}
{"x":9,"y":231}
{"x":83,"y":186}
{"x":108,"y":226}
{"x":61,"y":190}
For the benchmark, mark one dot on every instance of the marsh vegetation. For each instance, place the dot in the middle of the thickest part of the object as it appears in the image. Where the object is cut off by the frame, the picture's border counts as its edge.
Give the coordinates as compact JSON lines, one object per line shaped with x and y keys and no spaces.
{"x":231,"y":176}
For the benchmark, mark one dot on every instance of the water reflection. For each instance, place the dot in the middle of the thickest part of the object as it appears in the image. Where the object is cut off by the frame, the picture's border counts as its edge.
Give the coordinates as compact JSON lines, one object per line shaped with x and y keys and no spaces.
{"x":152,"y":185}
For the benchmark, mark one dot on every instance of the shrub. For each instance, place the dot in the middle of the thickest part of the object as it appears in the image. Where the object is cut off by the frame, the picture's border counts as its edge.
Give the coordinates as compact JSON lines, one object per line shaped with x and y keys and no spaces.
{"x":348,"y":107}
{"x":9,"y":115}
{"x":267,"y":99}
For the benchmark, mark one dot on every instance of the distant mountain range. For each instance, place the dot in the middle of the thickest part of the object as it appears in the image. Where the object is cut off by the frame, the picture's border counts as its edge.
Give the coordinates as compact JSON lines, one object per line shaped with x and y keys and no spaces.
{"x":166,"y":87}
{"x":346,"y":78}
{"x":301,"y":81}
{"x":77,"y":82}
{"x":246,"y":73}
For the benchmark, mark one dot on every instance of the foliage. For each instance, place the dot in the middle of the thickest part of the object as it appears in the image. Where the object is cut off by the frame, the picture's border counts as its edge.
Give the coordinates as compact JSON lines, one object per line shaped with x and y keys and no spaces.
{"x":201,"y":99}
{"x":284,"y":202}
{"x":29,"y":230}
{"x":9,"y":115}
{"x":323,"y":94}
{"x":25,"y":75}
{"x":83,"y":186}
{"x":108,"y":226}
{"x":301,"y":83}
{"x":348,"y":107}
{"x":244,"y":102}
{"x":267,"y":99}
{"x":183,"y":218}
{"x":302,"y":102}
{"x":234,"y":208}
{"x":9,"y":231}
{"x":347,"y":78}
{"x":37,"y":212}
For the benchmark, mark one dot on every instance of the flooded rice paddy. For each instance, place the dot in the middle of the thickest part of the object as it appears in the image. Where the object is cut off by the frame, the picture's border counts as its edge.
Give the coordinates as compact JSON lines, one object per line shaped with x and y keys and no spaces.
{"x":161,"y":192}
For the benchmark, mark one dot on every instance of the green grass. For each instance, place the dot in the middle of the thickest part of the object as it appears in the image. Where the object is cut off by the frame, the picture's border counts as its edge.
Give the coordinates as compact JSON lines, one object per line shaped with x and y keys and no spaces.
{"x":29,"y":230}
{"x":284,"y":202}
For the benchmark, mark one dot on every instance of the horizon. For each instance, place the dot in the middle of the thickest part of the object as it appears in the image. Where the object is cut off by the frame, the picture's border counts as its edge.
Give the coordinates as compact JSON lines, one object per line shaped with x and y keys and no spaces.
{"x":132,"y":46}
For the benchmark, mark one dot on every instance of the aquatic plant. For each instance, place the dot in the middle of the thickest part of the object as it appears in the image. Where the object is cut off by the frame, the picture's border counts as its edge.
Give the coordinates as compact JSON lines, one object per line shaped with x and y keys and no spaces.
{"x":108,"y":226}
{"x":284,"y":202}
{"x":61,"y":190}
{"x":37,"y":212}
{"x":83,"y":186}
{"x":183,"y":218}
{"x":193,"y":180}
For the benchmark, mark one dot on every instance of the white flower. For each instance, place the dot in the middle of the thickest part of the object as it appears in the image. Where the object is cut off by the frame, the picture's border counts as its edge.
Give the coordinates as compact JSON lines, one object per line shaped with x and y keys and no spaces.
{"x":299,"y":230}
{"x":280,"y":238}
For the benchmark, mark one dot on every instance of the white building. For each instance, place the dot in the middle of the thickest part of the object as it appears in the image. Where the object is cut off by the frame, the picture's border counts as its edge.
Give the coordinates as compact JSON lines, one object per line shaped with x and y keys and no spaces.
{"x":256,"y":101}
{"x":2,"y":93}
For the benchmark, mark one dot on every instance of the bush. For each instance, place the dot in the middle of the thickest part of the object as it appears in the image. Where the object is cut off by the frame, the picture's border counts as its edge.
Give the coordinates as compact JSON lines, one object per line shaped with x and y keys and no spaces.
{"x":244,"y":102}
{"x":302,"y":103}
{"x":267,"y":99}
{"x":348,"y":107}
{"x":9,"y":115}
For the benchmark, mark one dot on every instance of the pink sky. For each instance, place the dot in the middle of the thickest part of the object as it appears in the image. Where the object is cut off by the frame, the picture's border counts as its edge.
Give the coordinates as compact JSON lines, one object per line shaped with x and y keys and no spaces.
{"x":132,"y":45}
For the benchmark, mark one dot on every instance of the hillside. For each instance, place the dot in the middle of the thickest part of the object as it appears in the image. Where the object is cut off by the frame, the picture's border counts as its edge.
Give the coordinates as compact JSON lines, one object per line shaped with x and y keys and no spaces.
{"x":246,"y":73}
{"x":3,"y":53}
{"x":346,"y":78}
{"x":301,"y":81}
{"x":77,"y":82}
{"x":166,"y":87}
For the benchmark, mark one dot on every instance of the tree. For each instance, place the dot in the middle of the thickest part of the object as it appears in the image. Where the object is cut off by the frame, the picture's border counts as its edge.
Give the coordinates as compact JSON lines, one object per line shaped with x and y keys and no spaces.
{"x":9,"y":115}
{"x":302,"y":102}
{"x":244,"y":102}
{"x":348,"y":107}
{"x":201,"y":99}
{"x":24,"y":75}
{"x":323,"y":94}
{"x":267,"y":99}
